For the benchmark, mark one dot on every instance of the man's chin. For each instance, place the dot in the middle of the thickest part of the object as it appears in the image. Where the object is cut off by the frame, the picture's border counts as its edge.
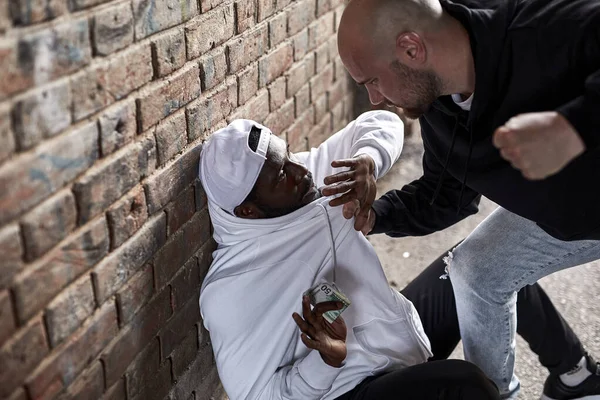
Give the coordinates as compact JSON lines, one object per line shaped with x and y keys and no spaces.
{"x":414,"y":113}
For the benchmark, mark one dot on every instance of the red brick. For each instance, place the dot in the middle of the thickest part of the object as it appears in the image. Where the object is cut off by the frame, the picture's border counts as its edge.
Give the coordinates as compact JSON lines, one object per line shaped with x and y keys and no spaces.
{"x":320,"y":132}
{"x":113,"y":29}
{"x":15,"y":78}
{"x":171,"y":136}
{"x":48,"y":224}
{"x":213,"y":68}
{"x":129,"y":70}
{"x":207,"y":5}
{"x":81,"y":4}
{"x":69,"y":309}
{"x":282,"y":118}
{"x":89,"y":92}
{"x":153,"y":16}
{"x":7,"y":137}
{"x":143,"y":368}
{"x":337,"y":92}
{"x":7,"y":317}
{"x":247,"y":83}
{"x":61,"y":369}
{"x":157,"y":387}
{"x":118,"y":127}
{"x":11,"y":249}
{"x":323,"y":6}
{"x":127,"y":216}
{"x":302,"y":100}
{"x":248,"y":47}
{"x":300,"y":15}
{"x":181,"y":210}
{"x":275,"y":63}
{"x":338,"y":116}
{"x":32,"y":12}
{"x":278,"y":29}
{"x":321,"y":30}
{"x":245,"y":13}
{"x":300,"y":41}
{"x":298,"y":132}
{"x":204,"y":114}
{"x":19,"y":394}
{"x":277,"y":93}
{"x":20,"y":355}
{"x":322,"y":56}
{"x":333,"y":47}
{"x":204,"y":256}
{"x":200,"y":195}
{"x":176,"y":329}
{"x":34,"y":288}
{"x":185,"y":284}
{"x":116,"y":391}
{"x":185,"y":353}
{"x":210,"y":384}
{"x":106,"y":182}
{"x":55,"y":51}
{"x":135,"y":336}
{"x":189,"y":381}
{"x":116,"y":269}
{"x":168,"y":96}
{"x":320,"y":107}
{"x":321,"y":82}
{"x":42,"y":114}
{"x":5,"y":22}
{"x":89,"y":385}
{"x":257,"y":108}
{"x":266,"y":8}
{"x":168,"y":52}
{"x":179,"y":249}
{"x":209,"y":31}
{"x":296,"y":77}
{"x":28,"y":179}
{"x":135,"y":294}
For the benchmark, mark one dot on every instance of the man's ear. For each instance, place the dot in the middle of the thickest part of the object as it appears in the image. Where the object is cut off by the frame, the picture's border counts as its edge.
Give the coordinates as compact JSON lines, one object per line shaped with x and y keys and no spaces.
{"x":248,"y":210}
{"x":410,"y":49}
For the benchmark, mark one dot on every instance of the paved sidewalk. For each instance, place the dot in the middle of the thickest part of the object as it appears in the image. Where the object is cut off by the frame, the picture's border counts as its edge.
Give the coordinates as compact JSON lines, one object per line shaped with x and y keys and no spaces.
{"x":575,"y":292}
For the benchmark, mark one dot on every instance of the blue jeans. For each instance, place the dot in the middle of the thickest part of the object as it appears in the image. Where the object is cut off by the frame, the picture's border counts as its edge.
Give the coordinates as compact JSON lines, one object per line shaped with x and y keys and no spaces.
{"x":502,"y":255}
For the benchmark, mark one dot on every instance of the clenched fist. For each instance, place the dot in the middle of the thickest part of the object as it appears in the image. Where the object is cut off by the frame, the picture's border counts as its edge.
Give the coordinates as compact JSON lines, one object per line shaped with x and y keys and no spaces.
{"x":538,"y":144}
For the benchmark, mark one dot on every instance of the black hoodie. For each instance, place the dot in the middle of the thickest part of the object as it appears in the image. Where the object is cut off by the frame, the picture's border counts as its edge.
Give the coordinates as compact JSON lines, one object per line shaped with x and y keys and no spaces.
{"x":530,"y":56}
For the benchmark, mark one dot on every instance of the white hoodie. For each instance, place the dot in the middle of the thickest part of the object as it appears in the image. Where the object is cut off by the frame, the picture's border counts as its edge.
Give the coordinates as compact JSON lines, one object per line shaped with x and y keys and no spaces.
{"x":262,"y":266}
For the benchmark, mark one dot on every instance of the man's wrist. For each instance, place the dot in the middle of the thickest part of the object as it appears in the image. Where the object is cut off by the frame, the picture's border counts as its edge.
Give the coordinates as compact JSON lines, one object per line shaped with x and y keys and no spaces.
{"x":332,"y":363}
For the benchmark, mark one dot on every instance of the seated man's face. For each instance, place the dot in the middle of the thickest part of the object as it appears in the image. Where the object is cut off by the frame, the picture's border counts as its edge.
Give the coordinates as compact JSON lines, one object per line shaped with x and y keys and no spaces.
{"x":283,"y":185}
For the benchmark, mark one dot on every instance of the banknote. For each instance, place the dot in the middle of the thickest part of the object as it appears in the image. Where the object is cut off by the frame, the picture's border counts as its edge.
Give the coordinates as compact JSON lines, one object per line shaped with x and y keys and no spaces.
{"x":323,"y":292}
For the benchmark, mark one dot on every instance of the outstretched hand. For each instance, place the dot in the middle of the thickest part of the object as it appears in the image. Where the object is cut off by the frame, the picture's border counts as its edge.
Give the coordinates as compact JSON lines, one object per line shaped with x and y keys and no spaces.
{"x":357,"y":185}
{"x":318,"y":334}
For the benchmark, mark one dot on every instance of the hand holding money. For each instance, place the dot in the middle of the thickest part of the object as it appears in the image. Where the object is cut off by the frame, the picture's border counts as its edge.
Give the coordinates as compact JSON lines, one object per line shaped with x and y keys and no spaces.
{"x":329,"y":339}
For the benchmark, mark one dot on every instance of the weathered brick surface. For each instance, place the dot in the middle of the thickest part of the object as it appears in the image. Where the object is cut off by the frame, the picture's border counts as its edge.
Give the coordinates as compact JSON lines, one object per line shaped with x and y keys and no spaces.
{"x":7,"y":136}
{"x":32,"y":177}
{"x":11,"y":248}
{"x":20,"y":355}
{"x":42,"y":114}
{"x":48,"y":224}
{"x":121,"y":264}
{"x":7,"y":318}
{"x":37,"y":285}
{"x":171,"y":137}
{"x":104,"y":231}
{"x":118,"y":127}
{"x":248,"y":47}
{"x":69,"y":309}
{"x":113,"y":29}
{"x":127,"y":216}
{"x":168,"y":96}
{"x":168,"y":52}
{"x":152,"y":16}
{"x":209,"y":31}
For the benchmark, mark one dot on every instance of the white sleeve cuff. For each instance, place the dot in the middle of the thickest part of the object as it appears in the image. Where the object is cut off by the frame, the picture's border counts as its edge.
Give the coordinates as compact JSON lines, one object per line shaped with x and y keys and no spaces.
{"x":316,"y":372}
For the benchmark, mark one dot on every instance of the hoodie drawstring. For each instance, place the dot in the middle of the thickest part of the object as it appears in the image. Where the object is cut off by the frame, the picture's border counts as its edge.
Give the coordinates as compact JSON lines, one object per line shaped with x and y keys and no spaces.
{"x":331,"y":241}
{"x":446,"y":163}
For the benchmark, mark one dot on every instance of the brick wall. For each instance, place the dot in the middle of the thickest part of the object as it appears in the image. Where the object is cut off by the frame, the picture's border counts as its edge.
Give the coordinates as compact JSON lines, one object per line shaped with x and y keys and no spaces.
{"x":104,"y":231}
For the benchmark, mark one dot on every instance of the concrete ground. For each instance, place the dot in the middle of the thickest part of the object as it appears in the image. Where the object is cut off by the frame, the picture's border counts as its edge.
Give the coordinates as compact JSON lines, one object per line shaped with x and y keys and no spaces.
{"x":575,"y":291}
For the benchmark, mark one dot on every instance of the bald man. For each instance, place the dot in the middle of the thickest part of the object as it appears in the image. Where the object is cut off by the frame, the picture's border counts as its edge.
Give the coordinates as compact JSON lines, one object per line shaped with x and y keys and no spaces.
{"x":508,"y":98}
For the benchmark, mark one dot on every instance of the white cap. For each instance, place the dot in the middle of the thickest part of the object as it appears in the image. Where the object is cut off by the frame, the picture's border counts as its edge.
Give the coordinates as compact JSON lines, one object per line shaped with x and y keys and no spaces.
{"x":229,"y":168}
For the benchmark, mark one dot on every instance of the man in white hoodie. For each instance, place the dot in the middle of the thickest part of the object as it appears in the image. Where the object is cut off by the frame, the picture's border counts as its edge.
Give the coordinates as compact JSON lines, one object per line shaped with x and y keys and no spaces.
{"x":277,"y":237}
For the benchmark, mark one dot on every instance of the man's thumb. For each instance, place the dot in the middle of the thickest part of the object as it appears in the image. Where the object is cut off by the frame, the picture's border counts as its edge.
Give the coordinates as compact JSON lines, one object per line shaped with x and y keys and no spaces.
{"x":350,"y":209}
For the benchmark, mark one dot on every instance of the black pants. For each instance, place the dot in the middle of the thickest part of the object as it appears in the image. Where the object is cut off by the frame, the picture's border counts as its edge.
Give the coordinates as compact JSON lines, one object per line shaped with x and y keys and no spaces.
{"x":538,"y":322}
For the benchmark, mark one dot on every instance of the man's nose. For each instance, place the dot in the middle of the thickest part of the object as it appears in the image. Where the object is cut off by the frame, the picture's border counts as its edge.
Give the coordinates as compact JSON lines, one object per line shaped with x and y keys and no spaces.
{"x":374,"y":96}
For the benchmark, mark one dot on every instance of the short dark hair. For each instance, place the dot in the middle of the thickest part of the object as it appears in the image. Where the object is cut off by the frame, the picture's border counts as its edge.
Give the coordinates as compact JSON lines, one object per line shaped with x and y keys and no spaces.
{"x":253,"y":139}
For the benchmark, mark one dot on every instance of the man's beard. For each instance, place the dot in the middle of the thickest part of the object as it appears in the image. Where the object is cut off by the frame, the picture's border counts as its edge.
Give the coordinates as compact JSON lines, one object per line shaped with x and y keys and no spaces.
{"x":425,"y":88}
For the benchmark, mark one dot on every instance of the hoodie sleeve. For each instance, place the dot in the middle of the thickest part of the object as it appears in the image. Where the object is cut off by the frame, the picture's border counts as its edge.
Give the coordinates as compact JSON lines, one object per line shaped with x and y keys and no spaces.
{"x":380,"y":134}
{"x":408,"y":212}
{"x":582,"y":112}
